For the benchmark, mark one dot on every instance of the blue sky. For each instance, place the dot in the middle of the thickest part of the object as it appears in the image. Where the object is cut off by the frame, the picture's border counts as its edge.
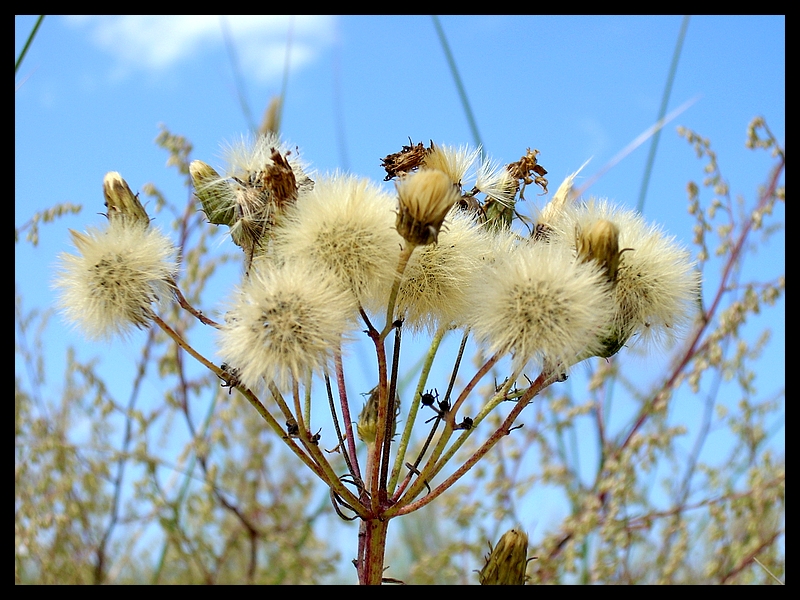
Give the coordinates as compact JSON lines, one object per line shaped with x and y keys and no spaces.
{"x":92,"y":91}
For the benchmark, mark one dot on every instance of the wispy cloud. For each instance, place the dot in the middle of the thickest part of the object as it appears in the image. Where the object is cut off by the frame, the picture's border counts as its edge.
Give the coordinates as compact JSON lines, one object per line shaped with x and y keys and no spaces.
{"x":158,"y":43}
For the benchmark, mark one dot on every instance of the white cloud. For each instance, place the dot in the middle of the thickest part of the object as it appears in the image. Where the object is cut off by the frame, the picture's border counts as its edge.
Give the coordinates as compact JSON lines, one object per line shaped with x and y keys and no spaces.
{"x":158,"y":43}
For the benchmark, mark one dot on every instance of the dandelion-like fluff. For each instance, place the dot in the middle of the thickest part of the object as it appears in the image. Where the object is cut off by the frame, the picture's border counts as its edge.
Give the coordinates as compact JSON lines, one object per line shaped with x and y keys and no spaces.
{"x":109,"y":287}
{"x":542,"y":305}
{"x":287,"y":321}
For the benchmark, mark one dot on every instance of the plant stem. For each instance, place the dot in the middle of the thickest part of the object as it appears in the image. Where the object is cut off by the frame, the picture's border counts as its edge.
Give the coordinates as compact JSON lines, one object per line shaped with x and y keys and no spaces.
{"x":502,"y":431}
{"x":370,"y":563}
{"x":412,"y":415}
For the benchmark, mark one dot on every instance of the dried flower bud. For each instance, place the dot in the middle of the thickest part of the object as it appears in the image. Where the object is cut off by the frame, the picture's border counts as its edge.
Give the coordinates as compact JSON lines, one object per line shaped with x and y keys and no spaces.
{"x":507,"y":561}
{"x":425,"y":199}
{"x":121,"y":202}
{"x":405,"y":161}
{"x":600,"y":243}
{"x":528,"y":170}
{"x":213,"y":192}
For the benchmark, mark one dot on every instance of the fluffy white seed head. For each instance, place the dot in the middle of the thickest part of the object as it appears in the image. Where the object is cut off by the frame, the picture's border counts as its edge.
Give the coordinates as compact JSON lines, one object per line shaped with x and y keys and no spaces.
{"x":656,"y":285}
{"x":285,"y":322}
{"x":494,"y":180}
{"x":246,"y":157}
{"x":108,"y":288}
{"x":456,"y":163}
{"x":346,"y":226}
{"x":542,"y":305}
{"x":553,"y":211}
{"x":436,"y":283}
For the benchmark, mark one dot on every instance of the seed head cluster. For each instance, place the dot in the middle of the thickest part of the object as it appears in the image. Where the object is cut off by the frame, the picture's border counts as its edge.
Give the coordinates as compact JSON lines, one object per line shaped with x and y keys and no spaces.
{"x":320,"y":254}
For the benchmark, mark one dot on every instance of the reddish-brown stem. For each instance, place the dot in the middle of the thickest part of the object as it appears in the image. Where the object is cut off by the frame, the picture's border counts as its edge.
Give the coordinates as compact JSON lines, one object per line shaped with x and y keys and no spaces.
{"x":184,"y":304}
{"x":373,"y":474}
{"x":348,"y":422}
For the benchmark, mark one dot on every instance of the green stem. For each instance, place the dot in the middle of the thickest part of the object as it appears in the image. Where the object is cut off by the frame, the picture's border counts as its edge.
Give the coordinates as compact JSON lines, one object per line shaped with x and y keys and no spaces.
{"x":498,"y":398}
{"x":505,"y":429}
{"x":412,"y":413}
{"x":428,"y":470}
{"x":651,"y":157}
{"x":405,"y":255}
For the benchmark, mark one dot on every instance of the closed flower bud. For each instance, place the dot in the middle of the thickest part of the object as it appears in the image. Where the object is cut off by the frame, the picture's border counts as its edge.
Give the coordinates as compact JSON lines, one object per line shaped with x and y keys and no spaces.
{"x":121,"y":202}
{"x":367,"y":425}
{"x":507,"y":561}
{"x":425,"y":199}
{"x":213,"y":192}
{"x":600,"y":242}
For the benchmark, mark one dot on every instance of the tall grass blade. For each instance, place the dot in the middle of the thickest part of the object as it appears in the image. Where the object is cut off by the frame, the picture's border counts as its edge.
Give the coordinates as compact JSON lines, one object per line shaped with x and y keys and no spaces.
{"x":462,"y":93}
{"x":651,"y":157}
